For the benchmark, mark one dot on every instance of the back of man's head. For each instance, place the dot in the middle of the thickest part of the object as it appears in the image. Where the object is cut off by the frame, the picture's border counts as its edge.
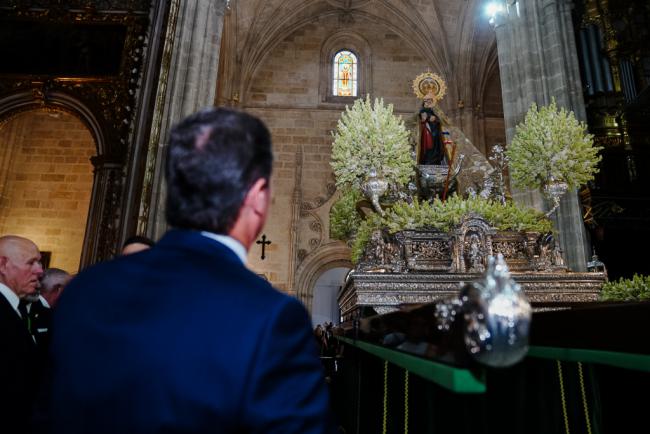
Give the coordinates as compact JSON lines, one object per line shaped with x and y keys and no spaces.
{"x":53,"y":281}
{"x":213,"y":159}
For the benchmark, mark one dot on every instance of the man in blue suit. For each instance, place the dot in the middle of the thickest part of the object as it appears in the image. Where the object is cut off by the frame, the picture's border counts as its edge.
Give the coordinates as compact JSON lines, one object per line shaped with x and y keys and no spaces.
{"x":183,"y":338}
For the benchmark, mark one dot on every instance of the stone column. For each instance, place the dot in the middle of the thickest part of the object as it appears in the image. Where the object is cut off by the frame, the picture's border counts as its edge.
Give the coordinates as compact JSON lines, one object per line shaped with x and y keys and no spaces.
{"x":538,"y":60}
{"x":187,"y":83}
{"x":101,"y":241}
{"x":296,"y":203}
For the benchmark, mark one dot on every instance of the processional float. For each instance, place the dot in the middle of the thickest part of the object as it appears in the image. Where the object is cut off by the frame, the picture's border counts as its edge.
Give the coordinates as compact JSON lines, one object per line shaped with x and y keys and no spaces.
{"x":464,"y":287}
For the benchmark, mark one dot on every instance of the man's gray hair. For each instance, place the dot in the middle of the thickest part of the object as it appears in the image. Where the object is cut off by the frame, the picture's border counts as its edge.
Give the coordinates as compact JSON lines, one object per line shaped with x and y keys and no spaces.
{"x":51,"y":277}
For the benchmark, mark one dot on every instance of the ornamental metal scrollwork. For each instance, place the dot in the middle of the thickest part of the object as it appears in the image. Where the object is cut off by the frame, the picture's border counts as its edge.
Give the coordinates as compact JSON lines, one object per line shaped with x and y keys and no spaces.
{"x":510,"y":250}
{"x":432,"y":249}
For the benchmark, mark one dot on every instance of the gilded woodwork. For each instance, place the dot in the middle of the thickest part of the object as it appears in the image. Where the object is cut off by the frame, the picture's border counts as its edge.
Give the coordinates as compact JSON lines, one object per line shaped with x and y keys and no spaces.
{"x":154,"y":138}
{"x":108,"y":99}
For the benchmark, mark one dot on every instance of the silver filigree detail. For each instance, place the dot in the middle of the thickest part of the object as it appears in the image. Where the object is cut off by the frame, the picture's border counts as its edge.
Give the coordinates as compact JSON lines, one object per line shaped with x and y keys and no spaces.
{"x":374,"y":188}
{"x":554,"y":190}
{"x":497,"y":317}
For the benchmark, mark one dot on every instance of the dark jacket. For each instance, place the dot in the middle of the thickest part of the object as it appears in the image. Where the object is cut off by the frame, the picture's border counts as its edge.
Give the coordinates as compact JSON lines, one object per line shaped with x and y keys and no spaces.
{"x":18,"y":371}
{"x":183,"y":338}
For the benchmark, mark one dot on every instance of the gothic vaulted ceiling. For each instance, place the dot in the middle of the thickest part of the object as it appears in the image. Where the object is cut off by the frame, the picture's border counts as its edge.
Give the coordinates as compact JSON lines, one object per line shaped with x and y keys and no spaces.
{"x":452,"y":35}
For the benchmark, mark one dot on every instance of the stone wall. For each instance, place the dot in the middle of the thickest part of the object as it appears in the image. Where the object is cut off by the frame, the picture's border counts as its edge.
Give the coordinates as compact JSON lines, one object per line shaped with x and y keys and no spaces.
{"x":47,"y":182}
{"x":286,"y":92}
{"x":275,"y":63}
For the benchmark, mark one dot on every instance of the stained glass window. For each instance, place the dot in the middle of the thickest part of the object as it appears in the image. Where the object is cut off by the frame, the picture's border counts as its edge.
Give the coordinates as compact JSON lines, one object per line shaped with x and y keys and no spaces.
{"x":345,"y":74}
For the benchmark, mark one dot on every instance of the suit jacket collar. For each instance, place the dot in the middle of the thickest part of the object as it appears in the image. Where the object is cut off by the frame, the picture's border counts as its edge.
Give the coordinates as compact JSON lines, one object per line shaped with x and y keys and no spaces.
{"x":195,"y":241}
{"x":233,"y":244}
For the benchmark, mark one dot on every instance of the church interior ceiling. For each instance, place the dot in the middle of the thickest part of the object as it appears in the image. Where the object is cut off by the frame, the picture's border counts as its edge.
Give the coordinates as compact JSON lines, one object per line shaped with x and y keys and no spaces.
{"x":91,"y":51}
{"x":454,"y":37}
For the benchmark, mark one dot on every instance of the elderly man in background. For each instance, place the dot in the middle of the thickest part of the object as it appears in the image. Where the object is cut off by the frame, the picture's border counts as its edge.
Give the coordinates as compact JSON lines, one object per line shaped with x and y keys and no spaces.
{"x":52,"y":283}
{"x":20,"y":270}
{"x":39,"y":306}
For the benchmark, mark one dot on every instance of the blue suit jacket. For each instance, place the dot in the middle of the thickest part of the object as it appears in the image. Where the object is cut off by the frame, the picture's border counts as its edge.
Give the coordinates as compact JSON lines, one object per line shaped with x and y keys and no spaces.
{"x":183,"y":338}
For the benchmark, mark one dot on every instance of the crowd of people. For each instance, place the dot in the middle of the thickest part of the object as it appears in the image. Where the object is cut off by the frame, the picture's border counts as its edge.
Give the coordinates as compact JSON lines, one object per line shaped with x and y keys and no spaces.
{"x":330,"y":348}
{"x":177,"y":336}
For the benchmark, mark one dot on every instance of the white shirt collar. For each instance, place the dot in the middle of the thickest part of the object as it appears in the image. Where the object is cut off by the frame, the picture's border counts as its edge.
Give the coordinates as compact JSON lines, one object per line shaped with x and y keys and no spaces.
{"x":11,"y":297}
{"x":44,"y":301}
{"x":234,"y":245}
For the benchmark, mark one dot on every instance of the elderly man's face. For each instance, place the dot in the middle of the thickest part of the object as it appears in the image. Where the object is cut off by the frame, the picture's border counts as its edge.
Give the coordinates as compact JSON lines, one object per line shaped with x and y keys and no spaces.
{"x":20,"y":267}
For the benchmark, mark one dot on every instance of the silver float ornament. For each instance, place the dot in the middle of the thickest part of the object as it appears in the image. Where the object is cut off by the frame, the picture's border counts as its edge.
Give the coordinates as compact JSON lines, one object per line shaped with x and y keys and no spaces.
{"x":497,"y":317}
{"x":554,"y":190}
{"x":374,"y":188}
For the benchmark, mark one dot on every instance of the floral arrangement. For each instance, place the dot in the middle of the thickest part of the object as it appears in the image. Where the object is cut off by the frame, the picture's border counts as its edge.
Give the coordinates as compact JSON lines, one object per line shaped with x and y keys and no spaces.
{"x":370,"y":137}
{"x":635,"y":289}
{"x":445,"y":215}
{"x":551,"y":145}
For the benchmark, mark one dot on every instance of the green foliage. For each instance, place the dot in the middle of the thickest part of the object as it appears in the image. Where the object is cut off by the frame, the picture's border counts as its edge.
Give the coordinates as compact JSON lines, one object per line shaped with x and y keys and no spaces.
{"x":371,"y":137}
{"x":344,"y":218}
{"x":552,"y":145}
{"x":418,"y":215}
{"x":363,"y":235}
{"x":635,"y":289}
{"x":445,"y":215}
{"x":511,"y":217}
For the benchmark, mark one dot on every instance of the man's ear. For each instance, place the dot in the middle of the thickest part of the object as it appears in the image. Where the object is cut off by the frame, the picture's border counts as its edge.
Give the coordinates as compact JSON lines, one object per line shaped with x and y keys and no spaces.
{"x":259,"y":196}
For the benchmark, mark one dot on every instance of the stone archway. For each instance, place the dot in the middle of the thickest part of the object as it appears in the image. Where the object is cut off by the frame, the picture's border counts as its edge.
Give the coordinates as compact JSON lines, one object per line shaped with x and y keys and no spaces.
{"x":107,"y":177}
{"x":45,"y":182}
{"x":325,"y":307}
{"x":328,"y":256}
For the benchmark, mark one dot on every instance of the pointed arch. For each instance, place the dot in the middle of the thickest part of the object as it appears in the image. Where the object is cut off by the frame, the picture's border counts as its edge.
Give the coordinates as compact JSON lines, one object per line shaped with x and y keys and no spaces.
{"x":107,"y":167}
{"x":331,"y":255}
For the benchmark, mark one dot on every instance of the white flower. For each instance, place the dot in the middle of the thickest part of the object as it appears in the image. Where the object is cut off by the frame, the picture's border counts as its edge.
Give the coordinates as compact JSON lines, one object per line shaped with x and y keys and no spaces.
{"x":371,"y":136}
{"x":551,"y":143}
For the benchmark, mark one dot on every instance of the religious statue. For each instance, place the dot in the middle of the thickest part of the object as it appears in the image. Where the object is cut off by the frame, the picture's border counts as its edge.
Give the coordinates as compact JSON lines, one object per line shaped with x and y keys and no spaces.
{"x":474,"y":254}
{"x":432,"y":147}
{"x":437,"y":162}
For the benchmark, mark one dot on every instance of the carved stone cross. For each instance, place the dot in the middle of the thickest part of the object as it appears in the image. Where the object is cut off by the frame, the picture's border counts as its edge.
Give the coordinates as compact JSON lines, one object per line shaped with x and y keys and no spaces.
{"x":264,"y":242}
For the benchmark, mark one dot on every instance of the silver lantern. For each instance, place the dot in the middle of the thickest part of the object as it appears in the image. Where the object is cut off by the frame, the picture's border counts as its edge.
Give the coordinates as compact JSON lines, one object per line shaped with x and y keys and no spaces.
{"x":496,"y":316}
